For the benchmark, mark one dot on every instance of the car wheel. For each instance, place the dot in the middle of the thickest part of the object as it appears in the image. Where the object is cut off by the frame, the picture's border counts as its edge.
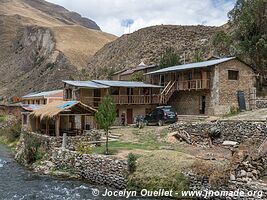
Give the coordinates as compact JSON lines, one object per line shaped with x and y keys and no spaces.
{"x":160,"y":123}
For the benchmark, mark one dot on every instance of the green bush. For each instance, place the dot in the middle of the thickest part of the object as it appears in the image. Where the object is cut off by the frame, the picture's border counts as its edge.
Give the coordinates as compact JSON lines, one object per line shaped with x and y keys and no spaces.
{"x":132,"y":162}
{"x":33,"y":148}
{"x":11,"y":133}
{"x":84,"y":149}
{"x":2,"y":118}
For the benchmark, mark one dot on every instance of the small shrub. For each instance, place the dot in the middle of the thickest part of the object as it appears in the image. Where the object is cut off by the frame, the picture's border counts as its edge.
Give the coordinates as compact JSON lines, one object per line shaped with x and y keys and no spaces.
{"x":218,"y":175}
{"x":84,"y":149}
{"x":202,"y":169}
{"x":2,"y":118}
{"x":11,"y":133}
{"x":234,"y":110}
{"x":132,"y":158}
{"x":33,"y":149}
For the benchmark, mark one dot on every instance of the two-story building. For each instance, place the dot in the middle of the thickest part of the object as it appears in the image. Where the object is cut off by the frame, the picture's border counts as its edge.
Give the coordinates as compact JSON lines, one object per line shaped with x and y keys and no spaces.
{"x":131,"y":98}
{"x":42,"y":98}
{"x":212,"y":87}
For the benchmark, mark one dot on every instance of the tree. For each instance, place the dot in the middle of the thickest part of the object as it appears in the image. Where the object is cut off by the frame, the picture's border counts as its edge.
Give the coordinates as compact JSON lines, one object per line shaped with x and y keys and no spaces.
{"x":138,"y":76}
{"x":248,"y":20}
{"x":105,"y":116}
{"x":222,"y":43}
{"x":198,"y":56}
{"x":169,"y":58}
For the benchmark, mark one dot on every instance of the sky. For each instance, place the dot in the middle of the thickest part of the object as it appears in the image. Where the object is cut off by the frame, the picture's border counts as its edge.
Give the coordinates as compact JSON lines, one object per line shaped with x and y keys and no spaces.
{"x":124,"y":16}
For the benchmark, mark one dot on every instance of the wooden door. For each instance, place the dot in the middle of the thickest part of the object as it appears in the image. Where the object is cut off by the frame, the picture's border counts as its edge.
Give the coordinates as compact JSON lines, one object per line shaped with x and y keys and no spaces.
{"x":129,"y":116}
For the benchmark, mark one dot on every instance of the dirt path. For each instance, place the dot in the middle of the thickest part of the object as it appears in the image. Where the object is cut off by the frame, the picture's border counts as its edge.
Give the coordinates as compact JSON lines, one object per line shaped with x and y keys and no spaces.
{"x":254,"y":115}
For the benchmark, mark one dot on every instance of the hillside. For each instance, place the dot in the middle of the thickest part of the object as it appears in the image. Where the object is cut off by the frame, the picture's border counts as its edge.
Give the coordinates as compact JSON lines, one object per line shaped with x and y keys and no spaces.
{"x":42,"y":43}
{"x":148,"y":45}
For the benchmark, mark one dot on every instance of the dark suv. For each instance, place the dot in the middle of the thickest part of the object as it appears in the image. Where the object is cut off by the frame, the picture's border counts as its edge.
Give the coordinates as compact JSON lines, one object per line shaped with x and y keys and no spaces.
{"x":161,"y":115}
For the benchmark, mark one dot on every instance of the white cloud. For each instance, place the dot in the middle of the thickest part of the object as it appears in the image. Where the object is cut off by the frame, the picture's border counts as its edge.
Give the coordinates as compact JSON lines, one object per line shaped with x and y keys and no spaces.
{"x":108,"y":14}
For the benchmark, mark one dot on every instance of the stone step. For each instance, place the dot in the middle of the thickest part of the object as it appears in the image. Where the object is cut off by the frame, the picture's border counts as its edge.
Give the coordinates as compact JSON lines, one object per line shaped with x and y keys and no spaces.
{"x":192,"y":118}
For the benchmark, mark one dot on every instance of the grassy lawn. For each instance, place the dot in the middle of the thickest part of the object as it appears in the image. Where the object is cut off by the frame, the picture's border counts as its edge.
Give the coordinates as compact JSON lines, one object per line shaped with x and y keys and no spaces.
{"x":161,"y":169}
{"x":133,"y":138}
{"x":116,"y":146}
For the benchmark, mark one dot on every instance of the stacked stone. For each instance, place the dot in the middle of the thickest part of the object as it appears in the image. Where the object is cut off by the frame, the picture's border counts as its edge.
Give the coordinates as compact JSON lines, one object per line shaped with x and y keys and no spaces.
{"x":98,"y":169}
{"x":261,"y":103}
{"x":238,"y":131}
{"x":250,"y":170}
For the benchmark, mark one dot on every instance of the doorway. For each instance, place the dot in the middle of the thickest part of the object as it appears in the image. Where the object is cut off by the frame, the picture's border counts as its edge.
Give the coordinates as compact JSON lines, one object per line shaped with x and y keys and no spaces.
{"x":129,"y":116}
{"x":162,"y":80}
{"x":202,"y":104}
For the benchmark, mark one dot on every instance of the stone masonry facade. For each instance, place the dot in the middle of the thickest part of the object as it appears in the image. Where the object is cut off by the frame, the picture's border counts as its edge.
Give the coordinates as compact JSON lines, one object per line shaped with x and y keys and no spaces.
{"x":224,"y":91}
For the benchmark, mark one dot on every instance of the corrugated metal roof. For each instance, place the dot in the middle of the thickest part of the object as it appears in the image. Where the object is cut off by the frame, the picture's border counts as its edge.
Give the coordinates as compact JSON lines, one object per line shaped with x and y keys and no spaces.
{"x":139,"y":68}
{"x":41,"y":94}
{"x":86,"y":84}
{"x":192,"y":66}
{"x":128,"y":84}
{"x":30,"y":107}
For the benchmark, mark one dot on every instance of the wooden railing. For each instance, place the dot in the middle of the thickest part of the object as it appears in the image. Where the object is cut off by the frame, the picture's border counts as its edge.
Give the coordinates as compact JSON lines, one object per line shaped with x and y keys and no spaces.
{"x":172,"y":86}
{"x":196,"y":84}
{"x":123,"y":99}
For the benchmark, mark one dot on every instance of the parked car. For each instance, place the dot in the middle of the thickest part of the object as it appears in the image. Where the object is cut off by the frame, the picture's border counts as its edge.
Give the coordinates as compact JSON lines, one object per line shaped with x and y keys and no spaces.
{"x":161,"y":115}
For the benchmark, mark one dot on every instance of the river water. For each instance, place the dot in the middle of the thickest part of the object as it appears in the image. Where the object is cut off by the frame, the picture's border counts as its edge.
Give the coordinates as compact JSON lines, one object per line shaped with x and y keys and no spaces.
{"x":17,"y":183}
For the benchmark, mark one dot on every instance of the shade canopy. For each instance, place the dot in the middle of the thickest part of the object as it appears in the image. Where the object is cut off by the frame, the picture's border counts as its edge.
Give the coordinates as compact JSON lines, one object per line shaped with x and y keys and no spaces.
{"x":62,"y":107}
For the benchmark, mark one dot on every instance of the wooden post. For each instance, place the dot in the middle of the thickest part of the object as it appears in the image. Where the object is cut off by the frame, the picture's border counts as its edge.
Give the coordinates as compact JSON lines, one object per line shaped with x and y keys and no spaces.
{"x":47,"y":126}
{"x":119,"y":100}
{"x":37,"y":123}
{"x":57,"y":125}
{"x":64,"y":141}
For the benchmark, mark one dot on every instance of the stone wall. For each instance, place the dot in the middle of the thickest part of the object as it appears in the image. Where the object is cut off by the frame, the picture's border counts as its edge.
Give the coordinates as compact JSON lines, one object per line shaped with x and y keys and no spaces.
{"x":98,"y":169}
{"x":261,"y":103}
{"x":48,"y":143}
{"x":188,"y":102}
{"x":238,"y":131}
{"x":227,"y":89}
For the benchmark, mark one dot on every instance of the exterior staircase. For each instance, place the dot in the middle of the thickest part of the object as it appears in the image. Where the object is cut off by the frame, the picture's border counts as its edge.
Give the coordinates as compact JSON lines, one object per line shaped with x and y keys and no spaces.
{"x":167,"y":92}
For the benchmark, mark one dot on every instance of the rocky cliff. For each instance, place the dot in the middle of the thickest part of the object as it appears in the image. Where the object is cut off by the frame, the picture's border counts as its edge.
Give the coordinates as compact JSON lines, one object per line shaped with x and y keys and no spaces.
{"x":149,"y":44}
{"x":42,"y":44}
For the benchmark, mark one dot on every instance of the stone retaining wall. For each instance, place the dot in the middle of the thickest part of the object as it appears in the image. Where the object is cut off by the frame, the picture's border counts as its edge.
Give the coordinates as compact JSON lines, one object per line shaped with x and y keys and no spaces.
{"x":238,"y":131}
{"x":72,"y":141}
{"x":260,"y":103}
{"x":98,"y":169}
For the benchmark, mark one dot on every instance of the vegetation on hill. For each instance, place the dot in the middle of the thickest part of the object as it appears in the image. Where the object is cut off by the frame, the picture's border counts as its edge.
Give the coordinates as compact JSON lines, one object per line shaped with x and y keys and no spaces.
{"x":150,"y":43}
{"x":248,"y":20}
{"x":169,"y":58}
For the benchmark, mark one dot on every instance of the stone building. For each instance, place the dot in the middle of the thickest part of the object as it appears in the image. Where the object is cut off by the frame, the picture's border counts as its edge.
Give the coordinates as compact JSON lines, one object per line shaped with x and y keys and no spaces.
{"x":213,"y":87}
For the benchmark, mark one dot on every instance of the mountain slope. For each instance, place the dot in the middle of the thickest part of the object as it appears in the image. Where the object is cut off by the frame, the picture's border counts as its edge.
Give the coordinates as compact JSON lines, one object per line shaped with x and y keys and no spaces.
{"x":149,"y":44}
{"x":42,"y":43}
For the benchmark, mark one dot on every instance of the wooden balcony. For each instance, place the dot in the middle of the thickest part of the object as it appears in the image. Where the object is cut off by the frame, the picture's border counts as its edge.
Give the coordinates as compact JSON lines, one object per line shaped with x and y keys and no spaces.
{"x":124,"y":100}
{"x":197,"y":84}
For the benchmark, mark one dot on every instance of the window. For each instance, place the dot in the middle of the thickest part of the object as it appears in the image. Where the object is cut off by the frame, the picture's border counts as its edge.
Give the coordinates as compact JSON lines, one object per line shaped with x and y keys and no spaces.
{"x":233,"y":75}
{"x":68,"y":93}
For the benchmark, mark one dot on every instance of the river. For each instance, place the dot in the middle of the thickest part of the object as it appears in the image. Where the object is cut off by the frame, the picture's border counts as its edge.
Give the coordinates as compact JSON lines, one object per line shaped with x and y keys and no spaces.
{"x":18,"y":183}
